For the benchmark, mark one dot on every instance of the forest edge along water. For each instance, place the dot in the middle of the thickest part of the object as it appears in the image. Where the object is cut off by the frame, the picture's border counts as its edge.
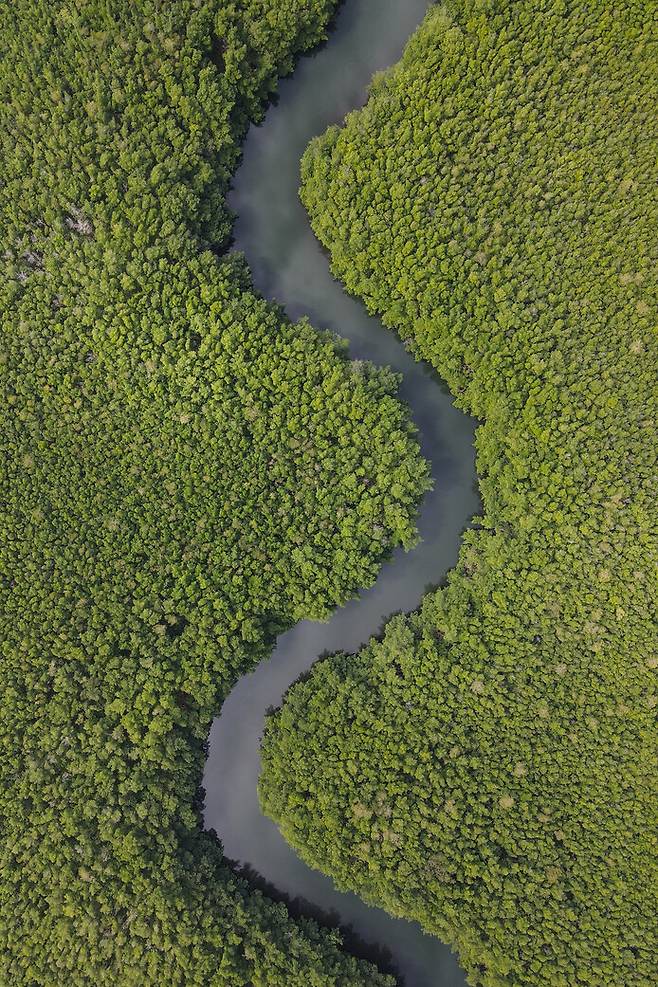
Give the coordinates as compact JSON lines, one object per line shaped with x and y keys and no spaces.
{"x":289,"y":267}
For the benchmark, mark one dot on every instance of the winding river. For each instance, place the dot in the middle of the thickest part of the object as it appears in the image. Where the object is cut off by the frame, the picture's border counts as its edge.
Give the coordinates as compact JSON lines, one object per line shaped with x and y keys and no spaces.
{"x":289,"y":266}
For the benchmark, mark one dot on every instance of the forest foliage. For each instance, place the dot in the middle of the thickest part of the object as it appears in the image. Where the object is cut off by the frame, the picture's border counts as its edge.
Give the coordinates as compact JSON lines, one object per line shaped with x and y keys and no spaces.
{"x":185,"y":473}
{"x":489,"y":766}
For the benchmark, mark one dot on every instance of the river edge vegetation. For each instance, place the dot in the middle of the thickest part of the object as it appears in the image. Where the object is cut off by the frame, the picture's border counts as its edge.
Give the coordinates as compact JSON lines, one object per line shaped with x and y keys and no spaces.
{"x":185,"y":474}
{"x":489,"y":767}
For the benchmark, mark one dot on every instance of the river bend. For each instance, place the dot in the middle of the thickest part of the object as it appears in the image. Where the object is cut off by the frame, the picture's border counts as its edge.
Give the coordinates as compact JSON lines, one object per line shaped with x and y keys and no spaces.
{"x":289,"y":267}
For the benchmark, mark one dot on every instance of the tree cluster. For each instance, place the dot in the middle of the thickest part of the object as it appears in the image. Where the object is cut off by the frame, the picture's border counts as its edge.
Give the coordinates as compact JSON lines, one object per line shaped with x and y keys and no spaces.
{"x":489,"y":767}
{"x":185,"y":473}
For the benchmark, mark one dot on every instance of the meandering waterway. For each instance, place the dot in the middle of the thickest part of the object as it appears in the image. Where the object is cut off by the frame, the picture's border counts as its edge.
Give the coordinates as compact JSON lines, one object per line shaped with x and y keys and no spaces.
{"x":289,"y":266}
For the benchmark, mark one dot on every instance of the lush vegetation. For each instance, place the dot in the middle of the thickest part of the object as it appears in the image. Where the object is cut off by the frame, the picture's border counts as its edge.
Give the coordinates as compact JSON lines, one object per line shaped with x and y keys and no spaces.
{"x":489,"y":767}
{"x":185,"y":473}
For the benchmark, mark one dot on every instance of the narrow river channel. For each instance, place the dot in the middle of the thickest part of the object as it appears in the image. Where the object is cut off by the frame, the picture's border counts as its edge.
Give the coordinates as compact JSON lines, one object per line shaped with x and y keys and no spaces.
{"x":289,"y":266}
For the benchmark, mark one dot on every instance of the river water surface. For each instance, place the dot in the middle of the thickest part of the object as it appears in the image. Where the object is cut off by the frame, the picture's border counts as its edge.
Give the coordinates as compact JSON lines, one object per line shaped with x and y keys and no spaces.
{"x":289,"y":267}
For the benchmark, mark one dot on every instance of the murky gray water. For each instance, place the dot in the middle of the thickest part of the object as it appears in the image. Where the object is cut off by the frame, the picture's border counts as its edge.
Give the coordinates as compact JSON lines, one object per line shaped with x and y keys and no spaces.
{"x":288,"y":266}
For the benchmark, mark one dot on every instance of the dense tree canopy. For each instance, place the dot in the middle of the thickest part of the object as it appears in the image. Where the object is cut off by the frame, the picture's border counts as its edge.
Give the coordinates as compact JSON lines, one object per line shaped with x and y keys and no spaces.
{"x":185,"y":473}
{"x":489,"y":767}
